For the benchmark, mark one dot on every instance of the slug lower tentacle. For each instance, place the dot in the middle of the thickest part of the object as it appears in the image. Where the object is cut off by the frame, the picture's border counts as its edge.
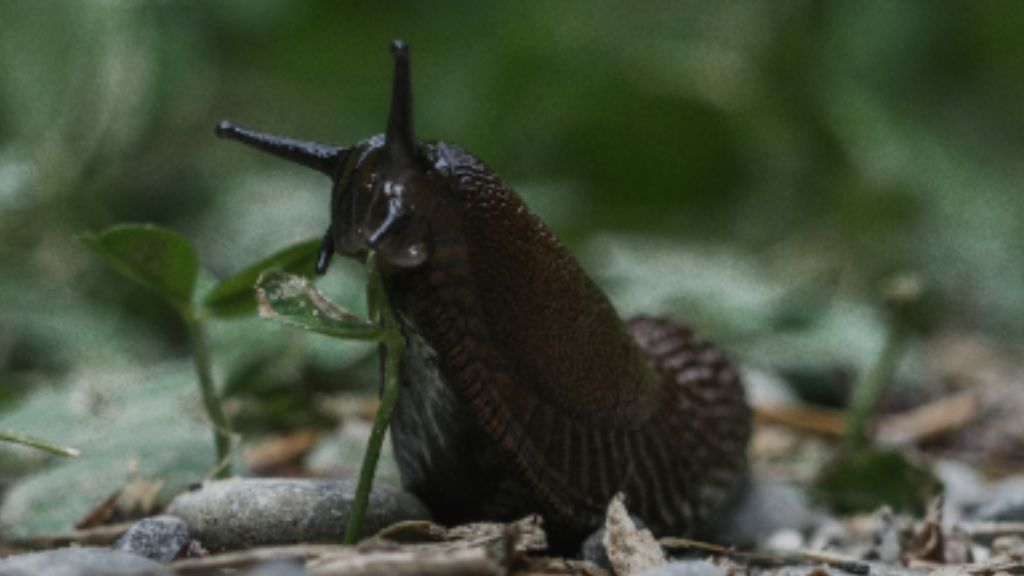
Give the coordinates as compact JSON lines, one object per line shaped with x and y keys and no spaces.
{"x":522,"y":390}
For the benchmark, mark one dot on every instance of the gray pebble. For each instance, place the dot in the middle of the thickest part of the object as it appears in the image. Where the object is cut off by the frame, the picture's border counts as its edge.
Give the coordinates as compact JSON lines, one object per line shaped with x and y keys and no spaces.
{"x":874,"y":569}
{"x":81,"y":562}
{"x":962,"y":485}
{"x":593,"y":550}
{"x":684,"y":568}
{"x":1008,"y":509}
{"x":1003,"y":502}
{"x":277,"y":568}
{"x":158,"y":538}
{"x":786,"y":540}
{"x":767,"y":507}
{"x":244,"y":513}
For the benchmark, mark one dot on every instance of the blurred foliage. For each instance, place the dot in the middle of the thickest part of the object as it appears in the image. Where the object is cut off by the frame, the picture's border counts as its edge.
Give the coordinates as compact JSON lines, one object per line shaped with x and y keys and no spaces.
{"x":865,"y":480}
{"x":755,"y":167}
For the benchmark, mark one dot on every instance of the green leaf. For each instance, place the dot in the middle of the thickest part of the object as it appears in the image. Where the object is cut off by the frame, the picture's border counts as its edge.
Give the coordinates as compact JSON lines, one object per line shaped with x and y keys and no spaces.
{"x":38,"y":444}
{"x":159,"y":259}
{"x":234,"y":296}
{"x":294,"y":300}
{"x":864,"y":480}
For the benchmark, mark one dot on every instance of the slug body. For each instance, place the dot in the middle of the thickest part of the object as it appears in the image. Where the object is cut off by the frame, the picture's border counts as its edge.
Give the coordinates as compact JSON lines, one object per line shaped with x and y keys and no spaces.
{"x":522,"y":390}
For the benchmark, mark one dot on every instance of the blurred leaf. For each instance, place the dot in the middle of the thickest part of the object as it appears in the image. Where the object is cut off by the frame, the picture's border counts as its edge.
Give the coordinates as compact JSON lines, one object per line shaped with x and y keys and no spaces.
{"x":159,"y":259}
{"x":234,"y":296}
{"x":37,"y":443}
{"x":863,"y":481}
{"x":129,"y":422}
{"x":294,"y":300}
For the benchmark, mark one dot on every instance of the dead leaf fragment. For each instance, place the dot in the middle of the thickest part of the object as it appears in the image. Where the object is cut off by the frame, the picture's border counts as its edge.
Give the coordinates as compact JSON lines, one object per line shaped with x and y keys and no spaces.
{"x":629,"y":550}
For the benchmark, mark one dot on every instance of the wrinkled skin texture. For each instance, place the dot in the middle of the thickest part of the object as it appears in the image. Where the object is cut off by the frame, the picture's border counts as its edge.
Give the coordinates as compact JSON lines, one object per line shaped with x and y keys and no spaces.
{"x":522,"y":391}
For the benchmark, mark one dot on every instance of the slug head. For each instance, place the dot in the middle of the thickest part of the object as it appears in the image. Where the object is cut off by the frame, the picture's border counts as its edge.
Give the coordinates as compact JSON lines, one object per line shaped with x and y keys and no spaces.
{"x":384,"y":187}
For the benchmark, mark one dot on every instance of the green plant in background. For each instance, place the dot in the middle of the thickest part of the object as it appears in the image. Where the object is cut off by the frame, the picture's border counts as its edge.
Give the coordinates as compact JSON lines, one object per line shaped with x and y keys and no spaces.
{"x":862,"y":476}
{"x":38,"y":444}
{"x":166,"y":263}
{"x":901,"y":294}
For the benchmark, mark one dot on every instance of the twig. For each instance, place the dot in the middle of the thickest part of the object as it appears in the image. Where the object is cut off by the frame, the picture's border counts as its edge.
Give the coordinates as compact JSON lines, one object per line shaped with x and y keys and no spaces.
{"x":421,"y":562}
{"x":244,"y":558}
{"x":809,"y":419}
{"x":988,"y":531}
{"x":98,"y":536}
{"x":933,"y":419}
{"x":844,"y":563}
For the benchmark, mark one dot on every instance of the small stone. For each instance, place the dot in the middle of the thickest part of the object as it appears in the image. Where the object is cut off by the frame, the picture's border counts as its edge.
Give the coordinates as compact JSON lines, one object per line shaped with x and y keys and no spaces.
{"x":158,"y":538}
{"x":962,"y":485}
{"x":684,"y":568}
{"x":1003,"y":502}
{"x":277,"y":568}
{"x":830,"y":534}
{"x":244,"y":513}
{"x":767,"y":507}
{"x":81,"y":562}
{"x":593,"y":550}
{"x":786,"y":540}
{"x":872,"y":568}
{"x":1009,"y":545}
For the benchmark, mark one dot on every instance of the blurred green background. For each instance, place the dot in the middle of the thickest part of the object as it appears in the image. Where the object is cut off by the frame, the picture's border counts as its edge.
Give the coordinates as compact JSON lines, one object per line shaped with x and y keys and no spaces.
{"x":756,"y":168}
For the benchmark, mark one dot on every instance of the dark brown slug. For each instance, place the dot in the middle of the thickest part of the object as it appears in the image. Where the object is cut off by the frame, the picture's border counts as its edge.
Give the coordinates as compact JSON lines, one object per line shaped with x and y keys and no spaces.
{"x":522,"y":390}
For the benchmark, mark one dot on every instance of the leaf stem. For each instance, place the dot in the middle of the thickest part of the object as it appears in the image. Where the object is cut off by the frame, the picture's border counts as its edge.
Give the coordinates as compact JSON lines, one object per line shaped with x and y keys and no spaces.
{"x":393,"y":344}
{"x":211,"y":401}
{"x":902,"y":293}
{"x":870,"y":389}
{"x":38,"y":444}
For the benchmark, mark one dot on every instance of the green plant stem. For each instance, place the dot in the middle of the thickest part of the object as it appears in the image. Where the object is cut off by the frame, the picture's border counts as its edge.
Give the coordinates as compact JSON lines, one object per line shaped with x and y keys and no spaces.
{"x":211,"y":401}
{"x":37,"y":443}
{"x":872,"y":386}
{"x":393,"y":344}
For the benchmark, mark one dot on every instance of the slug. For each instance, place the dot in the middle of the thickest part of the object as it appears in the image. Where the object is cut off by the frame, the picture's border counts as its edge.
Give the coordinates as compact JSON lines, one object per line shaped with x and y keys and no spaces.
{"x":522,"y":391}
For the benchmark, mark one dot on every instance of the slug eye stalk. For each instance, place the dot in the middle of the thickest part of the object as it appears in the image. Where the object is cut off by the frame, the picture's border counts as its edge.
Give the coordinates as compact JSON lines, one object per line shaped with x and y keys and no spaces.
{"x":320,"y":157}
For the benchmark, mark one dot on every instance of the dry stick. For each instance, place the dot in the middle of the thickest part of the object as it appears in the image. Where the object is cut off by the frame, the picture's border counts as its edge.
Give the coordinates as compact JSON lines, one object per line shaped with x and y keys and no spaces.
{"x":991,"y":529}
{"x":408,"y":562}
{"x":99,"y":536}
{"x":246,"y":558}
{"x":841,"y":562}
{"x":810,"y":419}
{"x":937,"y":417}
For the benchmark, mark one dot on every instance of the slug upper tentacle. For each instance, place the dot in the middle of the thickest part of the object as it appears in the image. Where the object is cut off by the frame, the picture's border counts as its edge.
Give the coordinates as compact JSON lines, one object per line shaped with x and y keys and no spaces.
{"x":522,"y":389}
